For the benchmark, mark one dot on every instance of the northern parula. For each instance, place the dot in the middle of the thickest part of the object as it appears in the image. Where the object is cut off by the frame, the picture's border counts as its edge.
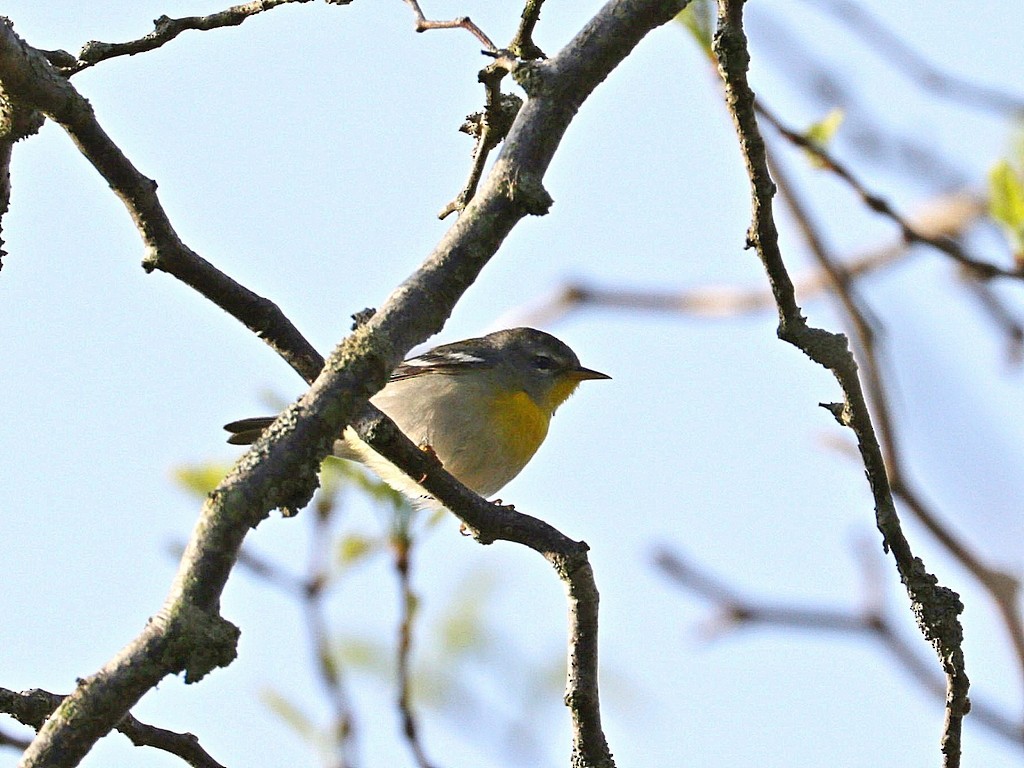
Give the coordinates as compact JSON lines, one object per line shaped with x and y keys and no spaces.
{"x":483,"y":405}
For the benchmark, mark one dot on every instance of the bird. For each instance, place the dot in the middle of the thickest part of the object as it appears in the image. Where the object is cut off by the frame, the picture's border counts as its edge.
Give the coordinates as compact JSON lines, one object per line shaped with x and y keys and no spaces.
{"x":482,"y":405}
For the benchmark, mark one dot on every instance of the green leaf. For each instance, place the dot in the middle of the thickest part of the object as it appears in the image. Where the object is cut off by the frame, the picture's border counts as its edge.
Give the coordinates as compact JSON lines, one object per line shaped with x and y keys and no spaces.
{"x":1006,"y":204}
{"x":364,"y":655}
{"x":200,"y":479}
{"x":462,"y":628}
{"x":366,"y":481}
{"x":823,"y":131}
{"x":290,"y":714}
{"x":699,"y":18}
{"x":356,"y":547}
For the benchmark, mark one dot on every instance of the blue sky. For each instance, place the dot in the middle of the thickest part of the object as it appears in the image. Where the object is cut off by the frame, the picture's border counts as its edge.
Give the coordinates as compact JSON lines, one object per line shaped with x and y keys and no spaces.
{"x":306,"y":153}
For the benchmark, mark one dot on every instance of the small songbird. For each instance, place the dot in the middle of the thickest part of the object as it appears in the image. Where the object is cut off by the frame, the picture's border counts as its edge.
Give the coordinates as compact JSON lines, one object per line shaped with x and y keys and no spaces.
{"x":483,"y":406}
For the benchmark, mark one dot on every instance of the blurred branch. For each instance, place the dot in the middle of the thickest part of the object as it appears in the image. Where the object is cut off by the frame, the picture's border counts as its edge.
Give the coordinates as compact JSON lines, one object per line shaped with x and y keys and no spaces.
{"x":462,"y":22}
{"x":948,"y":216}
{"x":401,"y":550}
{"x":823,"y":83}
{"x":8,"y":740}
{"x":311,"y":593}
{"x":908,"y":61}
{"x":881,"y":206}
{"x":326,"y":661}
{"x":736,"y":611}
{"x":937,"y":608}
{"x":34,"y":707}
{"x":706,"y":301}
{"x":1008,"y":324}
{"x":165,"y":29}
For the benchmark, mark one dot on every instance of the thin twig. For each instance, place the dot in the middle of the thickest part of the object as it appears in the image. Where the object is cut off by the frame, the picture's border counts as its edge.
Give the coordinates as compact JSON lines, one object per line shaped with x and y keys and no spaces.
{"x":937,"y":608}
{"x":522,"y":45}
{"x":461,"y":22}
{"x":489,"y":127}
{"x":165,"y":29}
{"x":1004,"y":318}
{"x":401,"y":548}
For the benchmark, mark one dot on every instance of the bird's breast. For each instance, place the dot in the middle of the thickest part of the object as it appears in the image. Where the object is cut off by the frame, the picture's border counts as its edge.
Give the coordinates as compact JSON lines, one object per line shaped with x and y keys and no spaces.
{"x":521,"y":425}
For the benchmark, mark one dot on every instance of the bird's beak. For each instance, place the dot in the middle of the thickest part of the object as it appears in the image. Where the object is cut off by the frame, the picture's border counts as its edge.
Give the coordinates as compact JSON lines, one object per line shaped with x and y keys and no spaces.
{"x":582,"y":374}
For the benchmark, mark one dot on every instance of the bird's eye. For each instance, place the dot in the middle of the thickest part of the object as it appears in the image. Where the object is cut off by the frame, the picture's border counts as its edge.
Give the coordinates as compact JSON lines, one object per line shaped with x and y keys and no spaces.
{"x":543,"y":363}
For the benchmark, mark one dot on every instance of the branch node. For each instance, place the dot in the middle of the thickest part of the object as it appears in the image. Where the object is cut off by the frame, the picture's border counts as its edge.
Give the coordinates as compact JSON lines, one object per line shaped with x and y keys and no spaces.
{"x":531,"y":77}
{"x":362,"y":317}
{"x":200,"y":642}
{"x":840,"y":411}
{"x":527,"y":192}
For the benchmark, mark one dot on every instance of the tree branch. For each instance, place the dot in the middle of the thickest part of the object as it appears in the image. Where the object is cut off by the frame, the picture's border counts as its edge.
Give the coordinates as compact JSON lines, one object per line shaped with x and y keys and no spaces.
{"x":462,"y":22}
{"x":16,"y":122}
{"x":947,"y":216}
{"x":33,"y":708}
{"x":736,"y":610}
{"x":165,"y":29}
{"x":402,"y":543}
{"x":489,"y":127}
{"x":936,"y":608}
{"x":9,"y":740}
{"x":880,"y":205}
{"x":522,"y":45}
{"x":30,"y":79}
{"x":280,"y":471}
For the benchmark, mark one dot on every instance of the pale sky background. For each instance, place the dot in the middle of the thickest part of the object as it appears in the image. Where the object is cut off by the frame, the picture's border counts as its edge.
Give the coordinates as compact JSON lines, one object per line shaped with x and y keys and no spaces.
{"x":306,"y":153}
